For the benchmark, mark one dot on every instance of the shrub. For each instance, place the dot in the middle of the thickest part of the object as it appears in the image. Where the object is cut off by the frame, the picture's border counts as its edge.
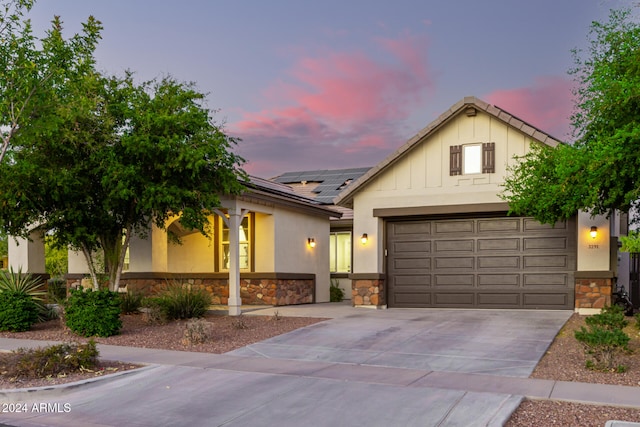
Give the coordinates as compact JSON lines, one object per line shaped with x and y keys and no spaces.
{"x":637,"y":317}
{"x":130,"y":302}
{"x":182,"y":301}
{"x":152,"y":311}
{"x":18,"y":311}
{"x":56,"y":290}
{"x":336,"y":294}
{"x":196,"y":332}
{"x":26,"y":284}
{"x":90,"y":313}
{"x":48,"y":361}
{"x":604,"y":338}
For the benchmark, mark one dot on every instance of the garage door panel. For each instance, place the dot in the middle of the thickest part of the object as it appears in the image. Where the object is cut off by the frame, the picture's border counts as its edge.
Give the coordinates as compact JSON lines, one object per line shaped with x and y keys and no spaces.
{"x":498,"y":280}
{"x":458,"y":227}
{"x":417,"y":299}
{"x":412,"y":228}
{"x":492,"y":245}
{"x":541,"y":279}
{"x":546,"y":243}
{"x":458,"y":263}
{"x":450,"y":299}
{"x":453,"y":246}
{"x":481,"y":262}
{"x":419,"y":247}
{"x":498,"y":299}
{"x":412,"y":264}
{"x":451,"y":280}
{"x":499,"y":262}
{"x":506,"y":225}
{"x":555,"y":261}
{"x":545,"y":300}
{"x":412,"y":280}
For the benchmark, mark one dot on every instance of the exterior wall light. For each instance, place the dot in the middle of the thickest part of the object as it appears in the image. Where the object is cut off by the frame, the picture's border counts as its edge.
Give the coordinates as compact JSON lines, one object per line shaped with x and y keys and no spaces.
{"x":364,"y":239}
{"x":311,"y":242}
{"x":593,"y":232}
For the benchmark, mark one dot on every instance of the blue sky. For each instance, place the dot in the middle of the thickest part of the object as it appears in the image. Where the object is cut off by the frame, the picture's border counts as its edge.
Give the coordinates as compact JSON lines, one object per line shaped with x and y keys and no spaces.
{"x":334,"y":84}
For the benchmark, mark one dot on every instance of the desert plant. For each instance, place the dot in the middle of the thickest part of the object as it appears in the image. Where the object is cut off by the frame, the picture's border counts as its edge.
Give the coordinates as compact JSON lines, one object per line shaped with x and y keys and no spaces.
{"x":56,"y":291}
{"x":637,"y":317}
{"x":90,"y":313}
{"x":336,"y":294}
{"x":183,"y":301}
{"x":197,"y":331}
{"x":604,"y":339}
{"x":27,"y":284}
{"x":239,"y":322}
{"x":48,"y":361}
{"x":18,"y":311}
{"x":152,"y":311}
{"x":130,"y":302}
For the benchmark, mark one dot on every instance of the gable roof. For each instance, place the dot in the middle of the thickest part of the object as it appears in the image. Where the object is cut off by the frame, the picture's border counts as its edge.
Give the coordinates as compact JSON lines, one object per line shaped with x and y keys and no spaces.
{"x":467,"y":105}
{"x":321,"y":185}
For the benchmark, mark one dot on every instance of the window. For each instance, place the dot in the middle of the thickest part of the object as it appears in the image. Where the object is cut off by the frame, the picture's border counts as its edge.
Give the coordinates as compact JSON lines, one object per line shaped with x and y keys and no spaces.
{"x":472,"y":159}
{"x":340,"y":252}
{"x":244,"y":240}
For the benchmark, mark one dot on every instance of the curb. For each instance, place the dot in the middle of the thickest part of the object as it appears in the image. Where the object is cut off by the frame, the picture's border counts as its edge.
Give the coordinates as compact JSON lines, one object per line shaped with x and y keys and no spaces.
{"x":21,"y":394}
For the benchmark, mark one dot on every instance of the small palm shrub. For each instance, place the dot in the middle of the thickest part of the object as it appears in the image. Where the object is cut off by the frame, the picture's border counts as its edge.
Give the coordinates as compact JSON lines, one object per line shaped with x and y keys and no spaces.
{"x":182,"y":301}
{"x":25,"y":284}
{"x":604,"y":339}
{"x":93,"y":313}
{"x":17,"y":311}
{"x":43,"y":362}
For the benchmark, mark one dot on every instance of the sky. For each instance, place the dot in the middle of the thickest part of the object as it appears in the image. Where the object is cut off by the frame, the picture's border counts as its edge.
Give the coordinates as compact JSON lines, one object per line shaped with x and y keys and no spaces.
{"x":328,"y":84}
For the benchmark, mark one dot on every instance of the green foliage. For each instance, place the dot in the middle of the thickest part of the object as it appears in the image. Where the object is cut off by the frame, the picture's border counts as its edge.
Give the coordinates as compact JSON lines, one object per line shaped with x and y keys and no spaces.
{"x":336,"y":294}
{"x":26,"y":284}
{"x":130,"y":302}
{"x":56,"y":259}
{"x":631,"y":242}
{"x":43,"y":362}
{"x":56,"y":291}
{"x":600,"y":172}
{"x":4,"y":245}
{"x":637,"y":317}
{"x":17,"y":311}
{"x":93,"y":313}
{"x":604,"y":339}
{"x":181,"y":301}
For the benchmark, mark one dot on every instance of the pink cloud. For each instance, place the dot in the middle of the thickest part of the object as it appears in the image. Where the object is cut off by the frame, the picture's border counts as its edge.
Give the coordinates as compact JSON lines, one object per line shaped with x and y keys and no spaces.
{"x":547,"y":104}
{"x":338,"y":109}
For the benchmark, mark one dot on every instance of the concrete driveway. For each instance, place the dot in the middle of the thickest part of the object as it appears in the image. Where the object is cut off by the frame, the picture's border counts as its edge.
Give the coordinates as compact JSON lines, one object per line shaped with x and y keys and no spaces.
{"x":375,"y":368}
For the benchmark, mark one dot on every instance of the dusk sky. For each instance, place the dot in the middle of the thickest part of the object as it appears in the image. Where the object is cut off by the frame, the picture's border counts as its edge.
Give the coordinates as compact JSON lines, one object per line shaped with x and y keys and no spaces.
{"x":334,"y":84}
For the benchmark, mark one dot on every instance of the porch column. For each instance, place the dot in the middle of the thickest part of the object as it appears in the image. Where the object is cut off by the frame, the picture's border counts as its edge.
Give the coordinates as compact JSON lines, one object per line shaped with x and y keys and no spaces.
{"x":233,"y":220}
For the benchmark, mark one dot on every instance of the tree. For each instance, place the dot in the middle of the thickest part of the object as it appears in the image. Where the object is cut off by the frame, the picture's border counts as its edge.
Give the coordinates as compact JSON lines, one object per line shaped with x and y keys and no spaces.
{"x":600,"y":172}
{"x":113,"y":157}
{"x":30,"y":68}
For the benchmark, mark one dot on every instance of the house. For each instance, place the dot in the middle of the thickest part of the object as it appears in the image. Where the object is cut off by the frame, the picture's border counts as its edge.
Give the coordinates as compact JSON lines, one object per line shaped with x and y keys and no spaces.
{"x":269,"y":245}
{"x":324,"y":186}
{"x":439,"y":235}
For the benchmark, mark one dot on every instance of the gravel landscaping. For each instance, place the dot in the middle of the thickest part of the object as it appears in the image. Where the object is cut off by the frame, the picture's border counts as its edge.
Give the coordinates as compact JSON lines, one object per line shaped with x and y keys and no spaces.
{"x":563,"y":361}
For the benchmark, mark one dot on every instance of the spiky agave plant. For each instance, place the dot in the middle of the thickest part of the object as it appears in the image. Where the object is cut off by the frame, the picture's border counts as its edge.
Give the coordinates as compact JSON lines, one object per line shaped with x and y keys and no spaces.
{"x":26,"y":284}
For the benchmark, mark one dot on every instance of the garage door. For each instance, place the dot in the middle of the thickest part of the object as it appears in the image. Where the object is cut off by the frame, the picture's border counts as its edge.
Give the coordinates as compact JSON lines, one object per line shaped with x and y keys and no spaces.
{"x":488,"y":262}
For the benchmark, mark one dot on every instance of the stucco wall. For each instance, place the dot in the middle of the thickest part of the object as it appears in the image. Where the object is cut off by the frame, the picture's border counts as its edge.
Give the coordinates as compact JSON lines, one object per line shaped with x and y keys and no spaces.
{"x":293,"y":254}
{"x":593,"y":253}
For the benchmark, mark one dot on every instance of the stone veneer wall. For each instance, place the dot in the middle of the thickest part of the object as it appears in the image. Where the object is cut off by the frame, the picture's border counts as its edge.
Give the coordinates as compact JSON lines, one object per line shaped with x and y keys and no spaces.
{"x":593,"y":293}
{"x":284,"y":290}
{"x":368,"y":291}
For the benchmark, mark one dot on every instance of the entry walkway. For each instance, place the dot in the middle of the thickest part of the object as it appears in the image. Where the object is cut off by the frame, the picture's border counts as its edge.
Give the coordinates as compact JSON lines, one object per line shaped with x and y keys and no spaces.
{"x":312,"y":384}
